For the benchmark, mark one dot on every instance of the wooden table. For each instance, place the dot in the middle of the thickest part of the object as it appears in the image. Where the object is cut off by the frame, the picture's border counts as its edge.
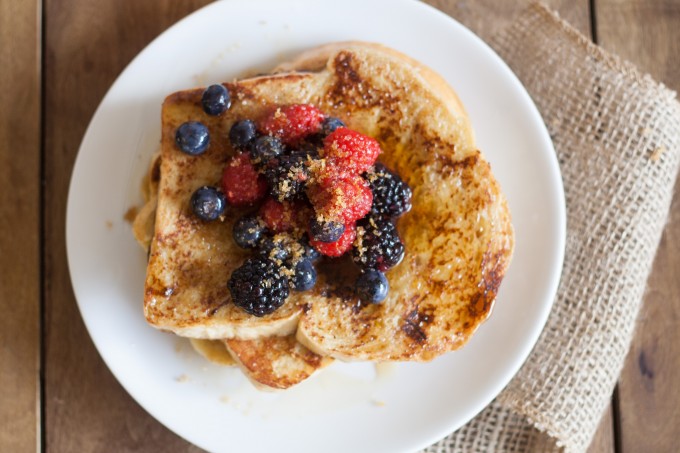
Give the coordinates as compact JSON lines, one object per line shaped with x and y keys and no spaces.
{"x":58,"y":59}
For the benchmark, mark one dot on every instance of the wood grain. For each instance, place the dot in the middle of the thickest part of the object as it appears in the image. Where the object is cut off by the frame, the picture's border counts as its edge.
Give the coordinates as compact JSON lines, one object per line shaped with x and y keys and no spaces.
{"x":19,"y":225}
{"x":647,"y":32}
{"x":486,"y":17}
{"x":87,"y":45}
{"x":86,"y":410}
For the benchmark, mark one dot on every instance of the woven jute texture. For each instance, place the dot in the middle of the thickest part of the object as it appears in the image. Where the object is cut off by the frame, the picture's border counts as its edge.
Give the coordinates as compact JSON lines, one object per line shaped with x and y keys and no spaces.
{"x":617,"y":137}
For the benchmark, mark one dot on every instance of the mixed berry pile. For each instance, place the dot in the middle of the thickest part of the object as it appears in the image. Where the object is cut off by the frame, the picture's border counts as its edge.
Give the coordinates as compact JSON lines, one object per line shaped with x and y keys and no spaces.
{"x":311,"y":188}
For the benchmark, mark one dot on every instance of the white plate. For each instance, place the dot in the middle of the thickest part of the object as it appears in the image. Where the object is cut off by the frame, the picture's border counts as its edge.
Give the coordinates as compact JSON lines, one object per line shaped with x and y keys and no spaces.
{"x":347,"y":407}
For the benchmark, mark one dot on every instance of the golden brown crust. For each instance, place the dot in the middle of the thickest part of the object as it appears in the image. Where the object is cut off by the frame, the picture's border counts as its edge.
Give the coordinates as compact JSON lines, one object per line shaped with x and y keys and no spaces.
{"x":275,"y":363}
{"x":458,"y":236}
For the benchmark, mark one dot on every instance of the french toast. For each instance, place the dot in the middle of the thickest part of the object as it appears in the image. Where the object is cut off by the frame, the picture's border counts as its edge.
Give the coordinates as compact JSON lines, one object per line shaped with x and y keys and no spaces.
{"x":270,"y":363}
{"x":458,"y":236}
{"x":275,"y":363}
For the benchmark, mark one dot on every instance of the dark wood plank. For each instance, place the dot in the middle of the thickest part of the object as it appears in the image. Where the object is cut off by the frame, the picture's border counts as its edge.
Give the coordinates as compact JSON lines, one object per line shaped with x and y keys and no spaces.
{"x":19,"y":223}
{"x":87,"y":45}
{"x":603,"y":441}
{"x":647,"y":32}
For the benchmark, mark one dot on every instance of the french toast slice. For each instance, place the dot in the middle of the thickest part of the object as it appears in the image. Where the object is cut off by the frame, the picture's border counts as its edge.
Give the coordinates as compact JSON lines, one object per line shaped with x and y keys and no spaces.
{"x":275,"y":363}
{"x":458,"y":236}
{"x":269,"y":363}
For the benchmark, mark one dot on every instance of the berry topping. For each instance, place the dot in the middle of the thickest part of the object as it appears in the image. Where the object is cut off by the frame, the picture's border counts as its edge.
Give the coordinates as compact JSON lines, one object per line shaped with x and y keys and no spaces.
{"x":372,"y":286}
{"x":275,"y":248}
{"x":292,"y":123}
{"x":330,"y":124}
{"x":328,"y":231}
{"x":216,"y":100}
{"x":339,"y":247}
{"x":287,"y":177}
{"x":351,"y":150}
{"x":192,"y":138}
{"x":277,"y":216}
{"x":309,"y":252}
{"x":208,"y":203}
{"x":391,"y":195}
{"x":264,"y":148}
{"x":248,"y":232}
{"x":242,"y":133}
{"x":258,"y":287}
{"x":346,"y":198}
{"x":304,"y":277}
{"x":377,"y":245}
{"x":241,"y":183}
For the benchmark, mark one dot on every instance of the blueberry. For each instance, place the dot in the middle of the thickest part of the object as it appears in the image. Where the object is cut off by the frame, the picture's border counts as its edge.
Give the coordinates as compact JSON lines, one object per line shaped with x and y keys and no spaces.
{"x":305,"y":276}
{"x":208,"y":203}
{"x":192,"y":138}
{"x":329,"y":231}
{"x":273,"y":249}
{"x":248,"y":232}
{"x":265,"y":147}
{"x":310,"y":252}
{"x":242,"y":133}
{"x":372,"y":286}
{"x":330,"y":124}
{"x":216,"y":99}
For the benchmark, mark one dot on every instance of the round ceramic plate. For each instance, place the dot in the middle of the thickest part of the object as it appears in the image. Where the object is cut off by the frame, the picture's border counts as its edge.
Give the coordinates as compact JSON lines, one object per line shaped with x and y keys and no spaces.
{"x":345,"y":407}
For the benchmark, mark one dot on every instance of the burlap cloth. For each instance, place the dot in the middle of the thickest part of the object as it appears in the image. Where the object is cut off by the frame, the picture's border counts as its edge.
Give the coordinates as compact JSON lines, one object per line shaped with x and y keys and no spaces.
{"x":617,"y":137}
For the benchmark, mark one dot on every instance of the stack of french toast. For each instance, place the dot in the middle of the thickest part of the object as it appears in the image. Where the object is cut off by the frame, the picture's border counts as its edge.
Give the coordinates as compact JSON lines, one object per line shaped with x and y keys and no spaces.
{"x":457,"y":236}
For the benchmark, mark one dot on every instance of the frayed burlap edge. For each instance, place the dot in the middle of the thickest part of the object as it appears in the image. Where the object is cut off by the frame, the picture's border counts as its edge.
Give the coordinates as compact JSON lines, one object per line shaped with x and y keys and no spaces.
{"x":617,"y":137}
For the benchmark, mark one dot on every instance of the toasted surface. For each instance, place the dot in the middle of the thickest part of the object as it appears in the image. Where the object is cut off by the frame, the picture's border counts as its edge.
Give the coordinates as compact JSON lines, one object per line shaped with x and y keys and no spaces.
{"x":272,"y":363}
{"x":458,"y":237}
{"x":275,"y":363}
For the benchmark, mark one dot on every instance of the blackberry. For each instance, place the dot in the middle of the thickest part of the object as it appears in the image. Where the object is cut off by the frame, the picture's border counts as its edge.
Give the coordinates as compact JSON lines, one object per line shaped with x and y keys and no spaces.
{"x":192,"y":138}
{"x":378,"y":245}
{"x":391,"y":195}
{"x":208,"y":203}
{"x":372,"y":286}
{"x":248,"y":232}
{"x":258,"y":287}
{"x":287,"y":178}
{"x":304,"y":276}
{"x":215,"y":100}
{"x":309,"y":148}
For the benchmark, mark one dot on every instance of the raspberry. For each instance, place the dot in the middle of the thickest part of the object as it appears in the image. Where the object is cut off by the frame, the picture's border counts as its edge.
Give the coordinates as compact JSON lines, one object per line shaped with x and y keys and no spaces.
{"x":347,"y":198}
{"x":240,"y":182}
{"x":339,"y":247}
{"x":350,"y":150}
{"x":292,"y":123}
{"x":277,"y":216}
